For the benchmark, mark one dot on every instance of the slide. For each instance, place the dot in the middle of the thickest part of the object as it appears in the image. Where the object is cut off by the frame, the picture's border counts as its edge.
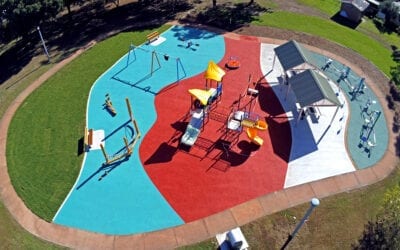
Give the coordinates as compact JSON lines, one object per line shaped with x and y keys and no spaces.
{"x":261,"y":125}
{"x":252,"y":134}
{"x":190,"y":136}
{"x":192,"y":131}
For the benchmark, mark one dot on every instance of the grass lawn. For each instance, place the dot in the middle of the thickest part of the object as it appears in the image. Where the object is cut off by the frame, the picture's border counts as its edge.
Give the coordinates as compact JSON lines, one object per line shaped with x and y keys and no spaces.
{"x":362,"y":44}
{"x":329,"y":7}
{"x":42,"y":145}
{"x":336,"y":223}
{"x":13,"y":236}
{"x":367,"y":26}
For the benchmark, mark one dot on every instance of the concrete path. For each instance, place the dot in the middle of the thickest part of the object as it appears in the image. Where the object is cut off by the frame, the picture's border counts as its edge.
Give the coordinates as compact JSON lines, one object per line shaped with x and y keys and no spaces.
{"x":198,"y":230}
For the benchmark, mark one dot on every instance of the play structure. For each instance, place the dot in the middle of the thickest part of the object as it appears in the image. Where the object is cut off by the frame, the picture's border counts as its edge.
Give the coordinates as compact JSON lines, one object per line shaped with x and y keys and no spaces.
{"x":201,"y":101}
{"x":356,"y":89}
{"x":244,"y":116}
{"x":251,"y":122}
{"x":128,"y":145}
{"x":367,"y":134}
{"x":155,"y":65}
{"x":248,"y":99}
{"x":109,"y":106}
{"x":233,"y":63}
{"x":154,"y":58}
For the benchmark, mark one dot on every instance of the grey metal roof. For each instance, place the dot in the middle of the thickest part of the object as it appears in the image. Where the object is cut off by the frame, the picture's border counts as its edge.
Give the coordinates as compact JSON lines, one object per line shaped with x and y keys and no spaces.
{"x":292,"y":54}
{"x":310,"y":87}
{"x":361,"y":5}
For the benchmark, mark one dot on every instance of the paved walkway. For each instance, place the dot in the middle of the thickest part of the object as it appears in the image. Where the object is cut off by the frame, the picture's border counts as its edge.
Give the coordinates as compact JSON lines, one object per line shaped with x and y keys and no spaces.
{"x":198,"y":230}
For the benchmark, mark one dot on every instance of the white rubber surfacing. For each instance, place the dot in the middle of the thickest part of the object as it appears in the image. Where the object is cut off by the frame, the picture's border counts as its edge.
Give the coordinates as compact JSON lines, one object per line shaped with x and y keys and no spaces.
{"x":318,"y":150}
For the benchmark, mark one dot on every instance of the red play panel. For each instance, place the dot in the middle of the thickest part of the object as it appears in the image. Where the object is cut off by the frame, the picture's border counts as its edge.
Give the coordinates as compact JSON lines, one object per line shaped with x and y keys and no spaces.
{"x":221,"y":170}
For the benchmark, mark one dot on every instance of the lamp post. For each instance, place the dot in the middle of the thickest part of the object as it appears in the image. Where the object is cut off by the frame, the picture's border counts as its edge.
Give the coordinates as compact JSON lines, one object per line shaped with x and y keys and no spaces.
{"x":43,"y":43}
{"x":314,"y":203}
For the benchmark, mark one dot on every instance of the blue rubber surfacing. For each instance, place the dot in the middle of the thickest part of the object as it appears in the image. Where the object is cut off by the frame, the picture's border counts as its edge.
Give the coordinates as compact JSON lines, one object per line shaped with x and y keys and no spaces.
{"x":361,"y":155}
{"x":121,"y":199}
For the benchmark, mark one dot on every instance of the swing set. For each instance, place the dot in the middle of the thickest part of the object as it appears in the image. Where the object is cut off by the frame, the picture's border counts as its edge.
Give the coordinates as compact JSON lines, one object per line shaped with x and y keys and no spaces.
{"x":129,"y":146}
{"x":155,"y":64}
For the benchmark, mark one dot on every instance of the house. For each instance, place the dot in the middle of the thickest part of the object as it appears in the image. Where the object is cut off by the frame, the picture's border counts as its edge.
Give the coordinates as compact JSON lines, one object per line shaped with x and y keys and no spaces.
{"x":373,"y":8}
{"x":353,"y":9}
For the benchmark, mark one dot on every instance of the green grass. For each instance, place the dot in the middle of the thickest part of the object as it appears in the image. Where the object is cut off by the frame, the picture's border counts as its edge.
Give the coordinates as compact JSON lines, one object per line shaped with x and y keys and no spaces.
{"x":13,"y":236}
{"x":11,"y":88}
{"x":336,"y":223}
{"x":329,"y":7}
{"x":43,"y":137}
{"x":362,"y":44}
{"x":367,"y":26}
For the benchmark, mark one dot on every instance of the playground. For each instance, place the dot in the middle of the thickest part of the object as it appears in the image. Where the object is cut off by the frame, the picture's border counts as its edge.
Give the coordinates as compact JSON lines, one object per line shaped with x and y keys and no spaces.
{"x":193,"y":123}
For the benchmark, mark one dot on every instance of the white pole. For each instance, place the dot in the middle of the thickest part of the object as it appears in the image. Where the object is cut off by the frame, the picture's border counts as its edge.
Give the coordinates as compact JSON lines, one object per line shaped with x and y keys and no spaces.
{"x":43,"y":43}
{"x":314,"y":203}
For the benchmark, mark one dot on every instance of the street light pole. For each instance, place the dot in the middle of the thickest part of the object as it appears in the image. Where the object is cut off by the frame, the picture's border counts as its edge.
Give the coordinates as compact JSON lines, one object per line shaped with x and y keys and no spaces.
{"x":43,"y":43}
{"x":314,"y":203}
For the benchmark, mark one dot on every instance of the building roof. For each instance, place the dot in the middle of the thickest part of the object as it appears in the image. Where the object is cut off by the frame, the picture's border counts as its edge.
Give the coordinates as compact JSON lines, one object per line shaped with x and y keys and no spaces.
{"x":361,"y":5}
{"x":310,"y":87}
{"x":293,"y":54}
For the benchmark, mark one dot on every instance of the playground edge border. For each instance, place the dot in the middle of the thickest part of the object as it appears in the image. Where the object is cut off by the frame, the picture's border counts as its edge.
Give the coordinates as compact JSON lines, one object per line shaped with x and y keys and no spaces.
{"x":204,"y":228}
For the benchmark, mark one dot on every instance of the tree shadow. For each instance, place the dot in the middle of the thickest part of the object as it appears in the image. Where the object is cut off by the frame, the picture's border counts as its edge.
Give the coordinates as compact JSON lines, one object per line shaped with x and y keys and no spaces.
{"x":13,"y":60}
{"x":381,"y":234}
{"x":68,"y":33}
{"x":231,"y":16}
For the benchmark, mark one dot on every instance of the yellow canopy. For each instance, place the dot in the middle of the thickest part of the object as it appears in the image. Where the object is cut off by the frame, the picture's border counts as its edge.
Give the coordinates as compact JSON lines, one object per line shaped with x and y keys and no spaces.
{"x":214,"y":72}
{"x":201,"y":95}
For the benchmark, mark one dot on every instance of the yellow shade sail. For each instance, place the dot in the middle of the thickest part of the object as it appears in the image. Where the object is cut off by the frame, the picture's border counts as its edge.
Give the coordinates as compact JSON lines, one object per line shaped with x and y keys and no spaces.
{"x":201,"y":95}
{"x":214,"y":72}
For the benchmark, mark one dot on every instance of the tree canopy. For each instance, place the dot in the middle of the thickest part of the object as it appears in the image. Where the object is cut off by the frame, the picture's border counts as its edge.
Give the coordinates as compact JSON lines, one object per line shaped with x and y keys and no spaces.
{"x":384,"y":233}
{"x":18,"y":17}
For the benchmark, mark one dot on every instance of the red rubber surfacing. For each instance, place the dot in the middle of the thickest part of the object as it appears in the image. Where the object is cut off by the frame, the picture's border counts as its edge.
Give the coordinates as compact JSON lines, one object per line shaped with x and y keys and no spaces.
{"x":198,"y":183}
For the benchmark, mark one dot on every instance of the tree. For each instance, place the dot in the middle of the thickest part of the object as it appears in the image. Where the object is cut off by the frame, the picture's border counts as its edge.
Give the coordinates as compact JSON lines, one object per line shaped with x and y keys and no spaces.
{"x":384,"y":233}
{"x":390,"y":10}
{"x":20,"y":16}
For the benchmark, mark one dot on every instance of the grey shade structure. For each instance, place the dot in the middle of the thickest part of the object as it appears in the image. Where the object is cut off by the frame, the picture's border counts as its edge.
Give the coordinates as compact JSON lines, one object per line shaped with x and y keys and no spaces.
{"x":312,"y":89}
{"x":292,"y":54}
